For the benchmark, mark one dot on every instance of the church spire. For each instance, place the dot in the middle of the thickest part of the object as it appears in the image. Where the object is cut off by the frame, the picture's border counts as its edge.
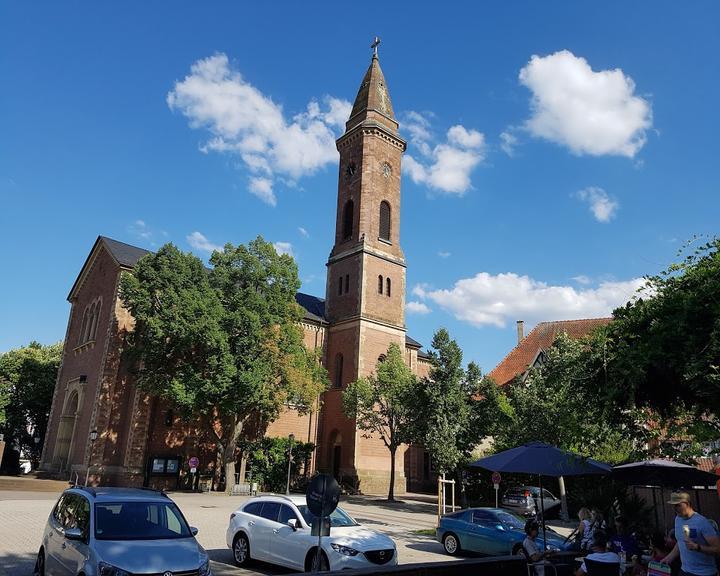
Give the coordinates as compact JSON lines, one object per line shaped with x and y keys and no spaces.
{"x":373,"y":100}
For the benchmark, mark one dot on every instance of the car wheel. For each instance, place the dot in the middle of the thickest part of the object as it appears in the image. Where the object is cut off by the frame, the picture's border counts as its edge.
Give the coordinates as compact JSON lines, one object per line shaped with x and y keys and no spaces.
{"x":241,"y":550}
{"x":517,"y":550}
{"x":451,"y":543}
{"x":40,"y":564}
{"x":311,"y":562}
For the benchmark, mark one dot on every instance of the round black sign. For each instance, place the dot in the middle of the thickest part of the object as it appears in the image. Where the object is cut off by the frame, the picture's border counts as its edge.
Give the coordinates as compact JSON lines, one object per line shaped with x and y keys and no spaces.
{"x":322,"y":495}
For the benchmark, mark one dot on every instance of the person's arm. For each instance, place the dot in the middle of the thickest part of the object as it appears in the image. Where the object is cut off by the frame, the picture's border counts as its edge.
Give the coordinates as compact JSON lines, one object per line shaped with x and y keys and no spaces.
{"x":580,"y":571}
{"x":712,"y":547}
{"x":671,"y":556}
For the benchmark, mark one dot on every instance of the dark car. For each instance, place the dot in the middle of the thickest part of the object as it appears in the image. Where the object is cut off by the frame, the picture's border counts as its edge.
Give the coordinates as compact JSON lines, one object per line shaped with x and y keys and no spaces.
{"x":525,"y":500}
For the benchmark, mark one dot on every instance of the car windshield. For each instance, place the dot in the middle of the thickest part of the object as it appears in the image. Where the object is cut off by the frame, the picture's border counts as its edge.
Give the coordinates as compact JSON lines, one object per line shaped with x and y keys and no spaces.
{"x":337,"y":518}
{"x":139,"y":521}
{"x":510,"y":520}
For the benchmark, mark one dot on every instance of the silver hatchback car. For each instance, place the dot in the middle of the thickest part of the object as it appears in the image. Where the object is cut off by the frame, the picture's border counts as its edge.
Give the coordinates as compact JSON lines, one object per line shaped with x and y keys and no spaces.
{"x":119,"y":532}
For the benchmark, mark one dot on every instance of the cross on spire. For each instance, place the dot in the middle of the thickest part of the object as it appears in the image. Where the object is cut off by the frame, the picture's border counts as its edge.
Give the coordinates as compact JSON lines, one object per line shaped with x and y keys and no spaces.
{"x":374,"y":46}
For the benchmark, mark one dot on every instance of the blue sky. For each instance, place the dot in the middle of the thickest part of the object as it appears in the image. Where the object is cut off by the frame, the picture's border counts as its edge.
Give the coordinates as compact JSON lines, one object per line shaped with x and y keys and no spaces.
{"x":558,"y":151}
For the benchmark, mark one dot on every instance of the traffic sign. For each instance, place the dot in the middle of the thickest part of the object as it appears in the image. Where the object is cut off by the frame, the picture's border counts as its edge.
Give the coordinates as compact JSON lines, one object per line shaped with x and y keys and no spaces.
{"x":496,"y":478}
{"x":194,"y":462}
{"x":322,"y":495}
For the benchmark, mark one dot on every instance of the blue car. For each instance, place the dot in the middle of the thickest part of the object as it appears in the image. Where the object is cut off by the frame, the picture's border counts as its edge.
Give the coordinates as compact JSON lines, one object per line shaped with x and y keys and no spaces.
{"x":491,"y":531}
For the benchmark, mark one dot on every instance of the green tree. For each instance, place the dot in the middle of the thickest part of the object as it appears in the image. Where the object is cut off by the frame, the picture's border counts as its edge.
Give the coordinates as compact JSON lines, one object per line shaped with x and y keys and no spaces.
{"x":380,"y":404}
{"x":268,"y":461}
{"x":664,"y":348}
{"x":557,"y":403}
{"x":223,"y":342}
{"x":453,"y":409}
{"x":27,"y":383}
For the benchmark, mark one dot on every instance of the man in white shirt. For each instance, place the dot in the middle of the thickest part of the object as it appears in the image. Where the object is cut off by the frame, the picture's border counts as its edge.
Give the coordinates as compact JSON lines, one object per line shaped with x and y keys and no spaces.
{"x":599,"y":554}
{"x":532,"y":551}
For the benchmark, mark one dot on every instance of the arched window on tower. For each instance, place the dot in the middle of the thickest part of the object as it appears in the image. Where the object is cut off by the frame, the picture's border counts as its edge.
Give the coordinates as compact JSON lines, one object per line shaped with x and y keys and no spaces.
{"x":348,"y":220}
{"x":387,"y":286}
{"x":338,"y":371}
{"x":380,"y":284}
{"x":339,"y":285}
{"x":385,"y":221}
{"x":95,"y":319}
{"x":347,"y":283}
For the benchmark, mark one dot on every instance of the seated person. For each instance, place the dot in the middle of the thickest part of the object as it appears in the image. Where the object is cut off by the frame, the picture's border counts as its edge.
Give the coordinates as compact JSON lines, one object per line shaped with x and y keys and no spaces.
{"x":531,"y":548}
{"x":659,"y":547}
{"x":599,"y":553}
{"x":623,"y":541}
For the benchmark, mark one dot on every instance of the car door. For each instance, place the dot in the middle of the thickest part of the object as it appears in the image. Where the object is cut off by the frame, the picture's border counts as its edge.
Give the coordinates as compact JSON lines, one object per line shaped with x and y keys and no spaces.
{"x":482,"y":532}
{"x":76,"y":551}
{"x":262,"y":531}
{"x":54,"y":537}
{"x":287,"y":546}
{"x":549,"y":501}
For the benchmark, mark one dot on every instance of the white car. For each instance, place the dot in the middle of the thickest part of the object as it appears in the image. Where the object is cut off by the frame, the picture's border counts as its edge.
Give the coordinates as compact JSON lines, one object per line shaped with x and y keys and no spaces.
{"x":276,"y":529}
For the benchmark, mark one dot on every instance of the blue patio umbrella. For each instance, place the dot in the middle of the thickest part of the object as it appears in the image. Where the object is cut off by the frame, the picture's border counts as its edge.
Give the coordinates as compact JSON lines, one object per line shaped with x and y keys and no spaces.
{"x":544,"y":460}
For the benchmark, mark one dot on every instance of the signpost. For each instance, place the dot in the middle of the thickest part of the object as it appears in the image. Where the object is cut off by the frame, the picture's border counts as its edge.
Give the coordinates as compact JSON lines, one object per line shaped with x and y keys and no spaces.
{"x":322,"y":497}
{"x":194,"y":462}
{"x":496,"y":478}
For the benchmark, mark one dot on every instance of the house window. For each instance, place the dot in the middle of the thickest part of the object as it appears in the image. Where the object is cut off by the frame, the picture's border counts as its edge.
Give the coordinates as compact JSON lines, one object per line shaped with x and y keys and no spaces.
{"x":347,"y":283}
{"x":388,"y":285}
{"x":385,"y":221}
{"x":340,"y":286}
{"x":169,"y":418}
{"x":380,"y":284}
{"x":338,"y":371}
{"x":347,"y":220}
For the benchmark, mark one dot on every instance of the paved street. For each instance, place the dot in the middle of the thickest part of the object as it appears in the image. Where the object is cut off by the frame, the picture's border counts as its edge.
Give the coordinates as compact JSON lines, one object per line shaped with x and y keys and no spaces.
{"x":23,"y":515}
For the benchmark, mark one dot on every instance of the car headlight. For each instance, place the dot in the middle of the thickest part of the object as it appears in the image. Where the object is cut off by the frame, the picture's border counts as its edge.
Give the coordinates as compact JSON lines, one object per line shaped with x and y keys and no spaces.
{"x":105,"y":569}
{"x":205,"y":568}
{"x":346,"y":550}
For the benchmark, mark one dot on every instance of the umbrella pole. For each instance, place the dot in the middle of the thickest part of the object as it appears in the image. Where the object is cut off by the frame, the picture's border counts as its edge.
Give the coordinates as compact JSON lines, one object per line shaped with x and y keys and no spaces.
{"x":542,"y":511}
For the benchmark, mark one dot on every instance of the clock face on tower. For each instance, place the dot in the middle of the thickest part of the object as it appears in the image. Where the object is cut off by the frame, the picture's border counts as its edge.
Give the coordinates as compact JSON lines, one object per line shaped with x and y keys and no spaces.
{"x":350,"y":170}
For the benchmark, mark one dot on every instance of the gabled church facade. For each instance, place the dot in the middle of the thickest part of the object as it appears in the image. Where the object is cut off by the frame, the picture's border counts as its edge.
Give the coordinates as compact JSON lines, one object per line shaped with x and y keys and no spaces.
{"x":140,"y":441}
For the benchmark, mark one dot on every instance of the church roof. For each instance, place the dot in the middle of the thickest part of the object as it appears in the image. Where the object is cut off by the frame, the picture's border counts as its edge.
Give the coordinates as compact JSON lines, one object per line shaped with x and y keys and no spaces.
{"x":540,"y":338}
{"x":373,"y":95}
{"x":126,"y":255}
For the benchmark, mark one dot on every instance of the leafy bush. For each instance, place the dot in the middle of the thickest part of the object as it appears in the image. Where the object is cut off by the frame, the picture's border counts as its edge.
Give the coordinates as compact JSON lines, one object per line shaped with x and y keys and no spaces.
{"x":268,"y":462}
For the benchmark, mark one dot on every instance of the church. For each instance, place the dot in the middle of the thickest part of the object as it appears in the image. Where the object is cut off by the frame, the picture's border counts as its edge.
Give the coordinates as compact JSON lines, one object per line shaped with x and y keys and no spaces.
{"x":101,"y":424}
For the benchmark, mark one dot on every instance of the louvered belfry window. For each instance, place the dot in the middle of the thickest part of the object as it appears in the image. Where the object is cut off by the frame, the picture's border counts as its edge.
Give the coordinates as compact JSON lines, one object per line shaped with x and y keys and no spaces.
{"x":385,"y":221}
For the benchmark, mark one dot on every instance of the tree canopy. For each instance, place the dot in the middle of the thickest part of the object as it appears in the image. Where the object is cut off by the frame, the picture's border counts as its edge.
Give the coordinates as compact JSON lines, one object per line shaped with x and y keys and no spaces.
{"x":380,"y":404}
{"x":225,"y":341}
{"x":27,"y":383}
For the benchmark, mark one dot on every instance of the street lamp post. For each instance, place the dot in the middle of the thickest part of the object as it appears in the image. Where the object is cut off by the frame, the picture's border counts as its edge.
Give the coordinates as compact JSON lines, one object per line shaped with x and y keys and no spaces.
{"x":93,"y":437}
{"x":292,"y":439}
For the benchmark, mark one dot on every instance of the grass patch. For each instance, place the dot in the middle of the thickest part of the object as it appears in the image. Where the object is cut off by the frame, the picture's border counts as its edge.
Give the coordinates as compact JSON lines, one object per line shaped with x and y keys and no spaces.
{"x":425,"y":532}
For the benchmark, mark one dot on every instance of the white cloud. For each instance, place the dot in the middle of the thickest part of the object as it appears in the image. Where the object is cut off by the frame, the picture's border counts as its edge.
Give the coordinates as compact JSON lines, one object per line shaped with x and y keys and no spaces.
{"x":263,"y":189}
{"x":140,"y":229}
{"x":582,"y":279}
{"x":594,"y":113}
{"x":508,"y":141}
{"x":445,"y":167}
{"x":443,"y":254}
{"x":198,"y":241}
{"x":601,"y":205}
{"x":283,"y":248}
{"x":304,"y":232}
{"x":487,"y":299}
{"x":245,"y":122}
{"x":417,"y":308}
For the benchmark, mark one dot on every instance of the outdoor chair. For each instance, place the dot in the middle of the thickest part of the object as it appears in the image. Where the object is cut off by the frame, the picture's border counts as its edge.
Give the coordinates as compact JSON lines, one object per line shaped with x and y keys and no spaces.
{"x":595,"y":568}
{"x":531,"y":566}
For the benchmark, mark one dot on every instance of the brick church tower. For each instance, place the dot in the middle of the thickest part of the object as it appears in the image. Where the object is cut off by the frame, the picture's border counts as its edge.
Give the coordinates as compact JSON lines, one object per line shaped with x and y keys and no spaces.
{"x":365,"y":294}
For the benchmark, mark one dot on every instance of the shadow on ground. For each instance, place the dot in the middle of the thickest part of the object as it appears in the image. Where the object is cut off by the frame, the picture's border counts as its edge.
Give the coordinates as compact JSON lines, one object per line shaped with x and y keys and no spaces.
{"x":397,"y":505}
{"x":17,"y":564}
{"x":222,"y":565}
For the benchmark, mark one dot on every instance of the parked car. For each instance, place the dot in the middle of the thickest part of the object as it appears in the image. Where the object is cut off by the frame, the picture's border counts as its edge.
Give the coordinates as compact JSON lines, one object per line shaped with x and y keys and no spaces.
{"x":118,"y":532}
{"x":525,"y":500}
{"x":491,"y":531}
{"x":277,"y":529}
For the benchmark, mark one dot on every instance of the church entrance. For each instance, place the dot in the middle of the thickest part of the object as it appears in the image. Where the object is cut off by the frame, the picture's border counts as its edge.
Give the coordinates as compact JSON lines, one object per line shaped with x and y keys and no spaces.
{"x":337,"y":454}
{"x":66,"y":431}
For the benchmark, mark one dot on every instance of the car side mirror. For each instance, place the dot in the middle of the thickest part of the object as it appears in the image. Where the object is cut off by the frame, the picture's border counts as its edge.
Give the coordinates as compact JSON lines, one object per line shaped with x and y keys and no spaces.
{"x":193,"y":530}
{"x":74,"y":534}
{"x":293,"y":524}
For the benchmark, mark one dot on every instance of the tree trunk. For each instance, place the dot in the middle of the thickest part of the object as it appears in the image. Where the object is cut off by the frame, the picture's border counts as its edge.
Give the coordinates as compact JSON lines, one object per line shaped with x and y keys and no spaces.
{"x":229,"y":454}
{"x":218,"y":465}
{"x":391,"y":491}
